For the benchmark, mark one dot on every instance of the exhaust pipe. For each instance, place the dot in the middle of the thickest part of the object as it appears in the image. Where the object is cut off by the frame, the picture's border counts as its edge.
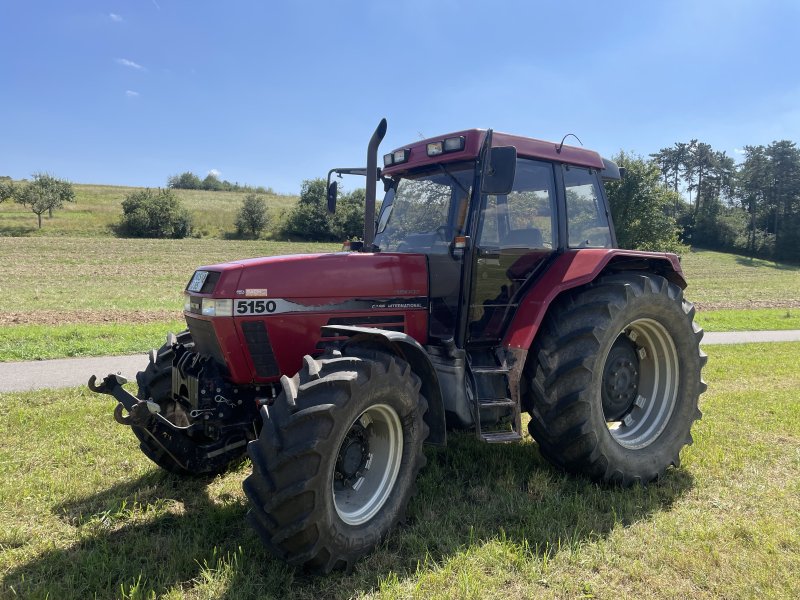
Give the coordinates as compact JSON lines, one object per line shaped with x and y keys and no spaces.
{"x":372,"y":182}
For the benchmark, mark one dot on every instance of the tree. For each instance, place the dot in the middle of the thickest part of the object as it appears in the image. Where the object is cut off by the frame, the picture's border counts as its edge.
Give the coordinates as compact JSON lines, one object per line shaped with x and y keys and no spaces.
{"x":212,"y":183}
{"x":252,"y":218}
{"x":6,"y":190}
{"x":154,"y":214}
{"x":185,"y":181}
{"x":640,"y":206}
{"x":44,"y":194}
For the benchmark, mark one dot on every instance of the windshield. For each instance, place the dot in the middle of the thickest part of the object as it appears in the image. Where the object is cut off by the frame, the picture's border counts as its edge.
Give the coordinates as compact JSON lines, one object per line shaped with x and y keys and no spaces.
{"x":425,"y":210}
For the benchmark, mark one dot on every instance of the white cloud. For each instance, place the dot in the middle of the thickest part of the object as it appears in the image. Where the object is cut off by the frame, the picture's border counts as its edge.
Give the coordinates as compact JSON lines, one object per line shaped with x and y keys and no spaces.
{"x":132,"y":94}
{"x":115,"y":17}
{"x":739,"y":150}
{"x":129,"y":63}
{"x":215,"y":173}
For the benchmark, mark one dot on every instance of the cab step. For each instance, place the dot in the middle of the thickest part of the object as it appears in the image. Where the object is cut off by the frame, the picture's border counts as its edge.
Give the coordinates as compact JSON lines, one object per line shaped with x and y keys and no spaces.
{"x":501,"y":437}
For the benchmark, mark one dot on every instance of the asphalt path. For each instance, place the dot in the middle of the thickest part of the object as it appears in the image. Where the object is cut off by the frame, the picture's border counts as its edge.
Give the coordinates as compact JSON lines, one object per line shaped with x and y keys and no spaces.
{"x":71,"y":372}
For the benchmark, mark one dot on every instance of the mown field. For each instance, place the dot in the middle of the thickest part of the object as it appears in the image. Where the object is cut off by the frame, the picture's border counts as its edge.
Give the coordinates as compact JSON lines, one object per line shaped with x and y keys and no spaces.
{"x":86,"y":515}
{"x":82,"y":296}
{"x":98,"y":208}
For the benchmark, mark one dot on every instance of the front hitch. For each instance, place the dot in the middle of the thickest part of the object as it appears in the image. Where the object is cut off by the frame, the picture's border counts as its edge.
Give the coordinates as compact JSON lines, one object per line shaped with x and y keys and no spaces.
{"x":139,"y":411}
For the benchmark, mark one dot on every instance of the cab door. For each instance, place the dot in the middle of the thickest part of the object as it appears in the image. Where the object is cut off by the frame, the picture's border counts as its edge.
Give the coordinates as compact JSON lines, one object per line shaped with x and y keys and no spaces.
{"x":517,"y":234}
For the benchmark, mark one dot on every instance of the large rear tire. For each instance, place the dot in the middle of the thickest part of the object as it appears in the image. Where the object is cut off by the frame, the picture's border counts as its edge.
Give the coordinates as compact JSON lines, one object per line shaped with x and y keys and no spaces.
{"x":614,"y":378}
{"x":337,"y":459}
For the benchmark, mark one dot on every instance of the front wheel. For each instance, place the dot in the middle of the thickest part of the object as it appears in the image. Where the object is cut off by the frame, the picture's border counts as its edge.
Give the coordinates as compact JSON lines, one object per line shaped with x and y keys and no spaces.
{"x":615,"y":379}
{"x":338,"y":455}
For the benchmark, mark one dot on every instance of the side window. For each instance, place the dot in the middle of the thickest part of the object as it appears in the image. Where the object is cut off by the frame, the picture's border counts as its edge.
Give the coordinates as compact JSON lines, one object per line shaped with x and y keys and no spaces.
{"x":524,"y":218}
{"x":587,"y":222}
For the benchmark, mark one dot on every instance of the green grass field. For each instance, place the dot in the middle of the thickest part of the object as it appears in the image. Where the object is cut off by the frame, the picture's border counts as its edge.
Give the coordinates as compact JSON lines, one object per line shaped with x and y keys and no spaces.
{"x":97,"y":208}
{"x":127,"y":294}
{"x":86,"y":515}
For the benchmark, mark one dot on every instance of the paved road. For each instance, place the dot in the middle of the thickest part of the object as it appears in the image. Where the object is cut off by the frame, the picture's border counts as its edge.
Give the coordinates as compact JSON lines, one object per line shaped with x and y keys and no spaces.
{"x":69,"y":372}
{"x":66,"y":372}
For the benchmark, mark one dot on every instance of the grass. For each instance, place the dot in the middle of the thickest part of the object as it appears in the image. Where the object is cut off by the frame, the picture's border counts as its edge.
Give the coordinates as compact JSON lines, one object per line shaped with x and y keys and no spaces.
{"x":765,"y":319}
{"x":98,"y":208}
{"x":40,"y":342}
{"x":730,"y":281}
{"x":86,"y":515}
{"x":115,"y":276}
{"x":57,"y":283}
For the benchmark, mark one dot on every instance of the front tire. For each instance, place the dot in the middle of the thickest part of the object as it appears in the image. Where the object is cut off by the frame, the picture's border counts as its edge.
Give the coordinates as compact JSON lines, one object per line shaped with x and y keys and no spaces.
{"x":337,"y":459}
{"x":155,"y":383}
{"x":615,"y":378}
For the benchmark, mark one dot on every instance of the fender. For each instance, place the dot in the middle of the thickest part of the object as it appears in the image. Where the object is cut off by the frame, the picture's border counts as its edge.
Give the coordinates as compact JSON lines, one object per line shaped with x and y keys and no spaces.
{"x":572,"y":269}
{"x":407,"y":348}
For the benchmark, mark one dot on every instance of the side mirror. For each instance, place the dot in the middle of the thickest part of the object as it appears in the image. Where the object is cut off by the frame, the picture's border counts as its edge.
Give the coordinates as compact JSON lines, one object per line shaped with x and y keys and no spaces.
{"x":333,"y":190}
{"x":499,"y":170}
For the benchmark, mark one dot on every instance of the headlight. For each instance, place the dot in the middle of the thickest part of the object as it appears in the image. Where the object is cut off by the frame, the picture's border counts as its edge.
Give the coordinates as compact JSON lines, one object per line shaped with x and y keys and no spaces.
{"x":217,"y":308}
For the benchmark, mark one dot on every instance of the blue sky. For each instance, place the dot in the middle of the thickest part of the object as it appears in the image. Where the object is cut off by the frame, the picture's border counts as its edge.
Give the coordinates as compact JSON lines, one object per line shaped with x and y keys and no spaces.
{"x":271,"y":93}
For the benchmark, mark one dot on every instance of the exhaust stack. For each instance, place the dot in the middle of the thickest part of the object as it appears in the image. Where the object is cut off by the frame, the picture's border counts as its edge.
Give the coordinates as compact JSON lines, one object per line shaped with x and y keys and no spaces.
{"x":372,"y":181}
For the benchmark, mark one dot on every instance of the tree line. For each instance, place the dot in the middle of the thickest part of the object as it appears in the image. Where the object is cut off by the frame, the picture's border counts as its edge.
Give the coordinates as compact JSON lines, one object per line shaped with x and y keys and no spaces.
{"x":752,"y":207}
{"x":212,"y":183}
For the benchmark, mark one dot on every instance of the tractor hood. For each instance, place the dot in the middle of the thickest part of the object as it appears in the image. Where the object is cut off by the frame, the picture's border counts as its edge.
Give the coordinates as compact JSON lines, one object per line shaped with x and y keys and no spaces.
{"x":319,"y":279}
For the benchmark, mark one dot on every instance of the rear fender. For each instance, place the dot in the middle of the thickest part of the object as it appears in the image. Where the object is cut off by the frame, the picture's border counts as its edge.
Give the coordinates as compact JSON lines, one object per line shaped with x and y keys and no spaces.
{"x":575,"y":268}
{"x":407,"y":348}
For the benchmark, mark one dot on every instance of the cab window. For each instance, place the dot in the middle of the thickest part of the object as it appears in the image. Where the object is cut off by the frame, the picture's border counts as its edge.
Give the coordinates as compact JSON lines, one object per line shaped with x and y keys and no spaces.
{"x":587,"y":221}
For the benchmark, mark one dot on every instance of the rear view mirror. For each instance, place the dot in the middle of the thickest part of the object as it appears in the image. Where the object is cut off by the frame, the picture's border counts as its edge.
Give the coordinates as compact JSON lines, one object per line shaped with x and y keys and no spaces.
{"x":499,"y":170}
{"x":333,"y":190}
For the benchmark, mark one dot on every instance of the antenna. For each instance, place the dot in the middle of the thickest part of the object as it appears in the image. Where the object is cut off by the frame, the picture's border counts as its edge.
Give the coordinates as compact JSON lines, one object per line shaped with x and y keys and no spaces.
{"x":561,"y":145}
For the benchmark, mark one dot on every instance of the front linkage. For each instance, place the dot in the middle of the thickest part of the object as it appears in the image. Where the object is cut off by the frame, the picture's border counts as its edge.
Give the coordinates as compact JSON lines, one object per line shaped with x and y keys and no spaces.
{"x":187,"y":420}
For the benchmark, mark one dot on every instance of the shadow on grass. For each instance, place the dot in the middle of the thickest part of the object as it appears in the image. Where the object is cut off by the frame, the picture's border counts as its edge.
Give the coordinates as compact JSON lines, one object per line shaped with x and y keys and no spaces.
{"x":160,"y":532}
{"x":760,"y":263}
{"x":9,"y":230}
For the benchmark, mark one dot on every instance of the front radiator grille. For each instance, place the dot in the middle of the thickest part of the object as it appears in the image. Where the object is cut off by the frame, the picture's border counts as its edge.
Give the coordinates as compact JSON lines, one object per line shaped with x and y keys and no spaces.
{"x":255,"y":335}
{"x":205,"y":339}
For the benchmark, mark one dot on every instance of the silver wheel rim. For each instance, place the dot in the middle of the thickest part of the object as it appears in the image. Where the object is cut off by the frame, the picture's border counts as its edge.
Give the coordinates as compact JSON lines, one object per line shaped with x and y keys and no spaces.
{"x":659,"y":376}
{"x":359,"y":497}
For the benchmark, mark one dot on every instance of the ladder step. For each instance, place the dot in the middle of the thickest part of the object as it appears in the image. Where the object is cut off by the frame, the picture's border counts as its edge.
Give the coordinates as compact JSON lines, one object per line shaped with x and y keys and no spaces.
{"x":496,"y":402}
{"x":501,"y":437}
{"x":490,"y":370}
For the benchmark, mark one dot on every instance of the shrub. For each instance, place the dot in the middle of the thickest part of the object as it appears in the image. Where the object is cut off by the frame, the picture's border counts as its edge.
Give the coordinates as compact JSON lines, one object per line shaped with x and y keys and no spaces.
{"x":154,"y":214}
{"x":252,"y":216}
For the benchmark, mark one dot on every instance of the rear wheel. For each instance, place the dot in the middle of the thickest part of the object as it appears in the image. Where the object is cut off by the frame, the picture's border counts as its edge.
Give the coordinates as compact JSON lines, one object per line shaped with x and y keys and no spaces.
{"x":615,"y":379}
{"x":337,"y":459}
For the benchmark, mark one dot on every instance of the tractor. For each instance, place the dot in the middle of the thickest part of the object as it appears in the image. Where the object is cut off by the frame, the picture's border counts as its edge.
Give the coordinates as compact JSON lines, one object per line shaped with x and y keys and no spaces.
{"x":488,"y":285}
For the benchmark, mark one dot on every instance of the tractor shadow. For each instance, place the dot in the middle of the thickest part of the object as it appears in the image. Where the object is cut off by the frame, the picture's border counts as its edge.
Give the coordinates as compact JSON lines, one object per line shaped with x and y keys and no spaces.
{"x":165,"y":532}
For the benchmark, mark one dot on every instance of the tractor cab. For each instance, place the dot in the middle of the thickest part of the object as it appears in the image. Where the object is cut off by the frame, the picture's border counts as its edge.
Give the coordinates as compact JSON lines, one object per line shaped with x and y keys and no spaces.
{"x":489,"y":211}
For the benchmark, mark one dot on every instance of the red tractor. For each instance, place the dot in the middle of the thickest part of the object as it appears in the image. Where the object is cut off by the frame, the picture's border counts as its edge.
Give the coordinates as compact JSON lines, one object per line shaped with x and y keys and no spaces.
{"x":489,"y":285}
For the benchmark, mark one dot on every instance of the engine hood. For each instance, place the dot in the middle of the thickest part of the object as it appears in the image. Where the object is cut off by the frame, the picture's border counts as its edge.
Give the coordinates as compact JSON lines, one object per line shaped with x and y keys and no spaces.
{"x":322,"y":278}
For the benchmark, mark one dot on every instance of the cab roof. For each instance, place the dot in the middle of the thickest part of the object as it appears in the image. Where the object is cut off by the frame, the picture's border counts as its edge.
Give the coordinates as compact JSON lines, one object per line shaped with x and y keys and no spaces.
{"x":473,"y":140}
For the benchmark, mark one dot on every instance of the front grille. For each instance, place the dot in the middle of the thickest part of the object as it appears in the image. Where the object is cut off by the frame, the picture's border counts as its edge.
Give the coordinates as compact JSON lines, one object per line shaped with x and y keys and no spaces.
{"x":205,"y":339}
{"x":255,"y":335}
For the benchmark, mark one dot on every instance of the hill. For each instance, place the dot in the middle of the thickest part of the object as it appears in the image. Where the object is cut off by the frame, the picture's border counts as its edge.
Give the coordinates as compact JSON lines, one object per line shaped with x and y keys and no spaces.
{"x":97,"y":208}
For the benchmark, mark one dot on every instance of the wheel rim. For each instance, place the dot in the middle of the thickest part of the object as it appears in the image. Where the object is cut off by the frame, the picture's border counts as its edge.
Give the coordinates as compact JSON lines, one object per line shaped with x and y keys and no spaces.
{"x":654,"y":395}
{"x":367,"y":464}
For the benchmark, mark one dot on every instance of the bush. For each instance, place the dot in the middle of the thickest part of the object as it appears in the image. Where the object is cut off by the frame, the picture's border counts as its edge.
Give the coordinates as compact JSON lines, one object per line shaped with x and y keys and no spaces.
{"x":252,"y":217}
{"x":309,"y":218}
{"x":154,"y":214}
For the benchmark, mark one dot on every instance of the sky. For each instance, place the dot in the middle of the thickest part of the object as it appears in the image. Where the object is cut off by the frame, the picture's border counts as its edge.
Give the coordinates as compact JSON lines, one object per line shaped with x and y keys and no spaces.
{"x":271,"y":93}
